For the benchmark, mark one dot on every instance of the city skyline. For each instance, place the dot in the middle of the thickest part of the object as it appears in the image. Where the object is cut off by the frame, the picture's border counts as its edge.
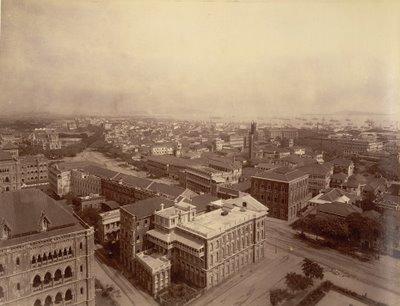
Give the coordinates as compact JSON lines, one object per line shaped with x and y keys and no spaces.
{"x":238,"y":59}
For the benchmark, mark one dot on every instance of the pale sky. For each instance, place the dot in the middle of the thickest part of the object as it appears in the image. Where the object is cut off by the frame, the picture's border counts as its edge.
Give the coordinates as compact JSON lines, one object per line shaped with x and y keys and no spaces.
{"x":215,"y":57}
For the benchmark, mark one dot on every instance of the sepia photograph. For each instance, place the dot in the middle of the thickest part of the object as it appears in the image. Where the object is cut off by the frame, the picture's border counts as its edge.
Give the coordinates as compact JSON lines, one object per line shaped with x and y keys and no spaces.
{"x":200,"y":152}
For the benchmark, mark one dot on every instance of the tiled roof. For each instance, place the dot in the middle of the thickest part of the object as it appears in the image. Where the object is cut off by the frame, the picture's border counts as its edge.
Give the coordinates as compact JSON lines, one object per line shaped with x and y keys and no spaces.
{"x":21,"y":211}
{"x":146,"y":208}
{"x":133,"y":181}
{"x":284,"y":174}
{"x":172,"y":191}
{"x":338,"y":209}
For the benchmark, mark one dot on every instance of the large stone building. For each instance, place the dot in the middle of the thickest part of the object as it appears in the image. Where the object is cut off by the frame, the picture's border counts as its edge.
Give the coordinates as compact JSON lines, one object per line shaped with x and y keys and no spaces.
{"x":10,"y":174}
{"x":284,"y":191}
{"x":126,"y":189}
{"x":135,"y":220}
{"x":319,"y":176}
{"x":46,"y":255}
{"x":47,"y":139}
{"x":288,"y":133}
{"x":206,"y":179}
{"x":153,"y":271}
{"x":77,"y":178}
{"x":205,"y":250}
{"x":108,"y":226}
{"x":34,"y":170}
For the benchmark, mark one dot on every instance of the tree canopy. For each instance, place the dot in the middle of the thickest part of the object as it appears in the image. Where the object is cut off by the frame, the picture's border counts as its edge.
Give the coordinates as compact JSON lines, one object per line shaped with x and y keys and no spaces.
{"x":297,"y":282}
{"x":312,"y":269}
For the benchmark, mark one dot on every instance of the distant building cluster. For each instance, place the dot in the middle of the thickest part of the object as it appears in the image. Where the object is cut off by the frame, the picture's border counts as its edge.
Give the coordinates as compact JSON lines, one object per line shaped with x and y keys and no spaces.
{"x":187,"y":200}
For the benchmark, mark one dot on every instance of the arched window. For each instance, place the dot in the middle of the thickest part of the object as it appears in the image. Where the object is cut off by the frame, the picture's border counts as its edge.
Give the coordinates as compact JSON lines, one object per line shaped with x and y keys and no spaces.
{"x":70,"y":251}
{"x":50,"y":257}
{"x":57,"y":275}
{"x":1,"y":269}
{"x":33,"y":259}
{"x":47,"y":278}
{"x":44,"y":257}
{"x":65,"y":252}
{"x":48,"y":301}
{"x":68,"y":295}
{"x":59,"y":253}
{"x":7,"y":179}
{"x":68,"y":272}
{"x":38,"y":303}
{"x":39,"y":258}
{"x":55,"y":254}
{"x":17,"y":261}
{"x":1,"y":293}
{"x":58,"y":298}
{"x":37,"y":281}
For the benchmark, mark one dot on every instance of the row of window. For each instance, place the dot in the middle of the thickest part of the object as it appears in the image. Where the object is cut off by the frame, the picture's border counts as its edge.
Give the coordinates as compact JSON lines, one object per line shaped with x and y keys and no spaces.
{"x":38,"y":282}
{"x":57,"y":300}
{"x":51,"y":256}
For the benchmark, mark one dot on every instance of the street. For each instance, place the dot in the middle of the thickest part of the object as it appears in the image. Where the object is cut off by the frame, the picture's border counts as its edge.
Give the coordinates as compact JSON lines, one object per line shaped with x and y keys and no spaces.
{"x":284,"y":254}
{"x":128,"y":294}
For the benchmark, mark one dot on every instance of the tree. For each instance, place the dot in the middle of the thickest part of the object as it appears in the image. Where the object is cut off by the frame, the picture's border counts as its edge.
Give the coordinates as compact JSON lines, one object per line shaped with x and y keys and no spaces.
{"x":363,"y":229}
{"x":312,"y":269}
{"x":297,"y":282}
{"x":278,"y":295}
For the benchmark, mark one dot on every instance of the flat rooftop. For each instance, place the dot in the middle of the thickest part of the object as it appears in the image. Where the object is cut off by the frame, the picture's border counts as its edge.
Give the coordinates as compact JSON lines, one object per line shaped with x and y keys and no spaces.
{"x":154,"y":262}
{"x":215,"y":222}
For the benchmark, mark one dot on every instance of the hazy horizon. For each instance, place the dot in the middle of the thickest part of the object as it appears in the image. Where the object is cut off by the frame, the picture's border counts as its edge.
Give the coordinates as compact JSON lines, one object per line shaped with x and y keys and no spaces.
{"x":239,"y":59}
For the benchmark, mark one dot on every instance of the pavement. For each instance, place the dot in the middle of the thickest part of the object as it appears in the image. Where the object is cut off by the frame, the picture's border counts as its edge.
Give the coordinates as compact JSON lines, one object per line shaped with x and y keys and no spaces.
{"x":109,"y":163}
{"x":284,"y":253}
{"x":125,"y":293}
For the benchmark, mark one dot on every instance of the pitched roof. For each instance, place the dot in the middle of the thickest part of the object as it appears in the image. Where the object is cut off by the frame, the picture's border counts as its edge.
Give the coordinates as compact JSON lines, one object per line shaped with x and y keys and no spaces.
{"x":355,"y":180}
{"x":100,"y":171}
{"x":338,"y":209}
{"x":146,"y":208}
{"x":376,"y":184}
{"x":133,"y":181}
{"x":342,"y":162}
{"x":172,"y":191}
{"x":284,"y":174}
{"x":298,"y":160}
{"x":22,"y":209}
{"x":316,"y":169}
{"x":201,"y":201}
